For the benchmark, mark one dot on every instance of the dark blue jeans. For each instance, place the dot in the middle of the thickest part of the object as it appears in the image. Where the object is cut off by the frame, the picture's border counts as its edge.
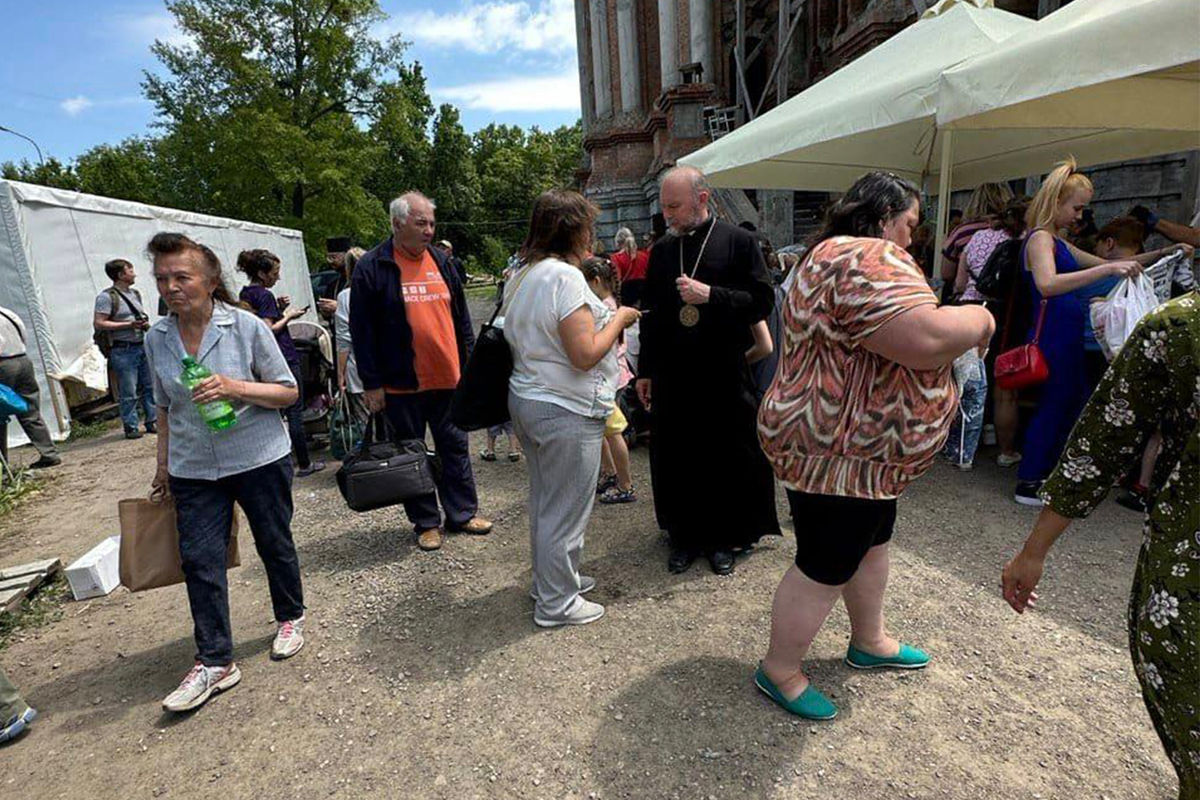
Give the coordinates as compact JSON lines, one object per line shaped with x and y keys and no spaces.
{"x":133,"y":383}
{"x":409,"y":414}
{"x":204,"y":512}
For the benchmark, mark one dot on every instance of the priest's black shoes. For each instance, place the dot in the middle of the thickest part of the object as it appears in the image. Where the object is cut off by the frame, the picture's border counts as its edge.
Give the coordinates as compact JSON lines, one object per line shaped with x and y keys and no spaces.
{"x":679,"y":560}
{"x":721,"y":561}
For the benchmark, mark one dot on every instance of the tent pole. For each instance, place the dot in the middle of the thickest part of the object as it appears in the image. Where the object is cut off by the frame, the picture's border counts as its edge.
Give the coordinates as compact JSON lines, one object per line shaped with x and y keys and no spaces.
{"x":943,"y":216}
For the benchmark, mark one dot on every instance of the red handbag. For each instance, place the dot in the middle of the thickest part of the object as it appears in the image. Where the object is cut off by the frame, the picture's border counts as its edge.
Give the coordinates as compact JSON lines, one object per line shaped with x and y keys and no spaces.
{"x":1024,"y":366}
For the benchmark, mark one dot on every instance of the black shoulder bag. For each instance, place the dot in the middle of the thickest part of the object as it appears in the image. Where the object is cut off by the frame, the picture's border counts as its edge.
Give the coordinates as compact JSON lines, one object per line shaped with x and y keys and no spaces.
{"x":384,"y":472}
{"x":481,"y":398}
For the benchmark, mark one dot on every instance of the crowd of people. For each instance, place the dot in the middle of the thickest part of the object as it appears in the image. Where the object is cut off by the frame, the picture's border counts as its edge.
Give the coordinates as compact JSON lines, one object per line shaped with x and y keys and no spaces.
{"x":841,"y":374}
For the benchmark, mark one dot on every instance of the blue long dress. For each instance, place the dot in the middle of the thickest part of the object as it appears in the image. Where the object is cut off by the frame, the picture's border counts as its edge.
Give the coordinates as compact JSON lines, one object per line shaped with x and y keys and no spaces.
{"x":1066,"y":392}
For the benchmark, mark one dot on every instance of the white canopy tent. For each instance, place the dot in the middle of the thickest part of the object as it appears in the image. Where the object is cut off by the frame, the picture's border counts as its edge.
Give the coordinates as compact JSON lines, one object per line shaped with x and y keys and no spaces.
{"x":53,"y":247}
{"x":1102,"y":80}
{"x":878,"y":112}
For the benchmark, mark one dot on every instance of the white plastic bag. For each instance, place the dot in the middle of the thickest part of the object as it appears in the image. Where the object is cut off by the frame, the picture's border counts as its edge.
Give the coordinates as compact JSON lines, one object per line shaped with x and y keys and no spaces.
{"x":1115,"y":317}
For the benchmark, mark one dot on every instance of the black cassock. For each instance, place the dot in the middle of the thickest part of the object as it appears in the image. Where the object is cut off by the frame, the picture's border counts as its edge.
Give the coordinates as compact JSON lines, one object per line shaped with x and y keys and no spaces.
{"x":713,"y":487}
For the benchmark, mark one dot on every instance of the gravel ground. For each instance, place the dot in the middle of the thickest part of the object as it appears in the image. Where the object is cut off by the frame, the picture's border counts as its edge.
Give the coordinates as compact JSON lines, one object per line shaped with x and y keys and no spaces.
{"x":425,"y":677}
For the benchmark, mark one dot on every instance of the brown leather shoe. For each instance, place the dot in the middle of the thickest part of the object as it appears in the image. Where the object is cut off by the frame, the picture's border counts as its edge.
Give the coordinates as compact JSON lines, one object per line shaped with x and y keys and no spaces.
{"x":430,"y":539}
{"x":476,"y":526}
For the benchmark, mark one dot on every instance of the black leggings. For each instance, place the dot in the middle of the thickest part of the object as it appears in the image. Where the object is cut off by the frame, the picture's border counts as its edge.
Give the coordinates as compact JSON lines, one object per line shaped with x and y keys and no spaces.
{"x":294,"y":414}
{"x":833,"y":534}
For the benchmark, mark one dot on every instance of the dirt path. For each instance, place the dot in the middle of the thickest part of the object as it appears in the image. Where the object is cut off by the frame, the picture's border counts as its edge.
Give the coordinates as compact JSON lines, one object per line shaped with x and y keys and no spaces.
{"x":425,"y":677}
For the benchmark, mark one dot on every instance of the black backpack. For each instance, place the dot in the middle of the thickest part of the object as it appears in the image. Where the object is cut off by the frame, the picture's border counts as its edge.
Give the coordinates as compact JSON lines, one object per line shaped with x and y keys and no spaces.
{"x":1000,"y":273}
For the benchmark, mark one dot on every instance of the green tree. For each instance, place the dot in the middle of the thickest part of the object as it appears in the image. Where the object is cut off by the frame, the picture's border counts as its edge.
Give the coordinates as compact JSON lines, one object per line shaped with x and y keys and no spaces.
{"x":53,"y":173}
{"x":399,"y":128}
{"x":260,"y":109}
{"x":452,"y":181}
{"x":129,"y":171}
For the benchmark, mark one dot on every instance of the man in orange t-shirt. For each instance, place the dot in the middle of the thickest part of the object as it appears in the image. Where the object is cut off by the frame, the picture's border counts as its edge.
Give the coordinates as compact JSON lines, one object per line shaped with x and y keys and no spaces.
{"x":411,"y":335}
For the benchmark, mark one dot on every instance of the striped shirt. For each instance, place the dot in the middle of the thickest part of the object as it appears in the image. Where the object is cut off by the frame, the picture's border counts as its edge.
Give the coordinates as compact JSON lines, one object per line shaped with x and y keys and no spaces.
{"x":839,"y":419}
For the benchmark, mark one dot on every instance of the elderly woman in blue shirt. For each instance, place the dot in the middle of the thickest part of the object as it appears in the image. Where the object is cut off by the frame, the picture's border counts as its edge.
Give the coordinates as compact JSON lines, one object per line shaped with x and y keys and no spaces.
{"x":207,"y":470}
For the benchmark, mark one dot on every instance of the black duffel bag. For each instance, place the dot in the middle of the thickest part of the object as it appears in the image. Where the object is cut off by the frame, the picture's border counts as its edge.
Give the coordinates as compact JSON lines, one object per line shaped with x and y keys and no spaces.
{"x":383,"y":472}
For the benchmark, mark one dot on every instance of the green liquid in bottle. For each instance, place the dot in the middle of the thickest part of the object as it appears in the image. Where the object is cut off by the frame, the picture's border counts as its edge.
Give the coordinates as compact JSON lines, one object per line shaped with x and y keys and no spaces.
{"x":219,"y":414}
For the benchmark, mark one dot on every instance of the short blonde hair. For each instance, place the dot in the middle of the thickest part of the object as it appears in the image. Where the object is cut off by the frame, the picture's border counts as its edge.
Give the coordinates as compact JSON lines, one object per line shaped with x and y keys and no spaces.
{"x":1063,"y":181}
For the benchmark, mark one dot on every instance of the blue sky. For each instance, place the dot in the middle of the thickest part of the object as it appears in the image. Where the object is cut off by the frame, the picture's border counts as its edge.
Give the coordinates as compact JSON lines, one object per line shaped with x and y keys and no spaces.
{"x":71,"y":71}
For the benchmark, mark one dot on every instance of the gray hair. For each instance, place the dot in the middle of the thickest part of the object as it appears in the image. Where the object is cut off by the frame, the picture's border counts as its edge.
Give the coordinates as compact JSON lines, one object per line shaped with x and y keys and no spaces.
{"x":625,"y":240}
{"x":402,"y":205}
{"x":695,"y":177}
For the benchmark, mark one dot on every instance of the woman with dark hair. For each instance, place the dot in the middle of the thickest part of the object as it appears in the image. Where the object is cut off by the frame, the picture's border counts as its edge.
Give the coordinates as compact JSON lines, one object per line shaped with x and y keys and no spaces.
{"x":562,"y":390}
{"x":208,"y":470}
{"x":860,"y":406}
{"x":262,"y":268}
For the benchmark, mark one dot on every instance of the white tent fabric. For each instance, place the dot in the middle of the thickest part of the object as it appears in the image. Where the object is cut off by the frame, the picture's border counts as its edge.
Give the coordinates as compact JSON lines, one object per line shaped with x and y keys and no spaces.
{"x":53,"y":247}
{"x":1103,"y":80}
{"x":878,"y":112}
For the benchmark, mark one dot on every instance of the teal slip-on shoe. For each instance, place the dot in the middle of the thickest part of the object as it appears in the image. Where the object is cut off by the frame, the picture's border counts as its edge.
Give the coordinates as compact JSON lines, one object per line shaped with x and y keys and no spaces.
{"x":907,"y":658}
{"x":811,"y":704}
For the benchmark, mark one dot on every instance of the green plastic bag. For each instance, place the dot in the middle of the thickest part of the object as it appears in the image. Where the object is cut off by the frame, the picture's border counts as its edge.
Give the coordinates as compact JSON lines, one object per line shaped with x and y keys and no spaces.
{"x":345,"y":428}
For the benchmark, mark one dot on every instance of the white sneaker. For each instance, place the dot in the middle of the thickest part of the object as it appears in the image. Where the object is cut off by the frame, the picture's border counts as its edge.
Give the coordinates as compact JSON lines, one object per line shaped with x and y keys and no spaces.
{"x":200,"y":684}
{"x":1007,"y":461}
{"x":965,"y":466}
{"x":288,"y":639}
{"x":586,"y":584}
{"x":582,"y":614}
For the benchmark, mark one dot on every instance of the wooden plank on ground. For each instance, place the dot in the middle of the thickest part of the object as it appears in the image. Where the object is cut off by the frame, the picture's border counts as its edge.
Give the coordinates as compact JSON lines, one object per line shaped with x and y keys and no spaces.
{"x":49,"y":566}
{"x":26,"y":582}
{"x":11,"y":598}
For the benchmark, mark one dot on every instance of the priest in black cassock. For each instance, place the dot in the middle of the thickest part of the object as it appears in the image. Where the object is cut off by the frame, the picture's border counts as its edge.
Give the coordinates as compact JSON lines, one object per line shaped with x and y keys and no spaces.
{"x":706,"y":286}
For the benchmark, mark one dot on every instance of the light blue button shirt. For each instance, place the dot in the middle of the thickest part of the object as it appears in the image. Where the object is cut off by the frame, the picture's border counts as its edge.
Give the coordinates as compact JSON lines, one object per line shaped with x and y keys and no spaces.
{"x":237,"y":345}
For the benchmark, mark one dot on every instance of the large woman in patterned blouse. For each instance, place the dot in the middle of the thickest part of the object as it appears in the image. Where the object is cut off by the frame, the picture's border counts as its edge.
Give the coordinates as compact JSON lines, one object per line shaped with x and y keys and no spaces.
{"x":860,"y":405}
{"x":1153,"y":383}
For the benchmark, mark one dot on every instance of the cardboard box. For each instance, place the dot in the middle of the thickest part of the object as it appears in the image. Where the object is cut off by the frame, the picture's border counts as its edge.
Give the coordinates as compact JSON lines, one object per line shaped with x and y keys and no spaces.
{"x":96,"y":572}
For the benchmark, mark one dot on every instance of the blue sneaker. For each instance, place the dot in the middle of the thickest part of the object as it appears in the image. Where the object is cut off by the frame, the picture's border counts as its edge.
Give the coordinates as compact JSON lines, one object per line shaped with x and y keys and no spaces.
{"x":17,"y":725}
{"x":811,"y":704}
{"x":907,"y":658}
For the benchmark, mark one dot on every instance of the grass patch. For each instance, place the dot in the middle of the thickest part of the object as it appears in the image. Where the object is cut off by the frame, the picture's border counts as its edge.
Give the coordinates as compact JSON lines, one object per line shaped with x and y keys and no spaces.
{"x":15,"y":487}
{"x":41,"y":608}
{"x":88,"y":430}
{"x":485,"y":291}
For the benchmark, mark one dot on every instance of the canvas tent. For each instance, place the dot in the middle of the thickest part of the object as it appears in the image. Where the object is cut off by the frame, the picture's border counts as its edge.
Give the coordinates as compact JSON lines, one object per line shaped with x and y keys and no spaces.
{"x":877,"y":112}
{"x":1102,"y":80}
{"x":53,"y":247}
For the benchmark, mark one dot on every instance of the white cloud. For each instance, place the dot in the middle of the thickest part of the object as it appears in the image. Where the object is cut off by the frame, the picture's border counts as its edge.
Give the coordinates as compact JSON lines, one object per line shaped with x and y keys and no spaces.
{"x":74,"y":106}
{"x":142,"y":30}
{"x":534,"y":93}
{"x":546,"y":26}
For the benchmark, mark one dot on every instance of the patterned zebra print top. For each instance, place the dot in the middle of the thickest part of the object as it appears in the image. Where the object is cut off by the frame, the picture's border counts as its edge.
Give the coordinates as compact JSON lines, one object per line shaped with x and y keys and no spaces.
{"x":839,"y":419}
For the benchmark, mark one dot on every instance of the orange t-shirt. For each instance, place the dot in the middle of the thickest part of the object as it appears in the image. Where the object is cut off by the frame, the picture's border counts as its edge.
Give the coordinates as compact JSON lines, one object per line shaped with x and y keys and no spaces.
{"x":427,"y":306}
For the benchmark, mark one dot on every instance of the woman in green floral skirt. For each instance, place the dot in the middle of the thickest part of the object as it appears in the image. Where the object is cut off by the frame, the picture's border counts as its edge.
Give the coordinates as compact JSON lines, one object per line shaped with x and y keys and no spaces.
{"x":1153,"y":383}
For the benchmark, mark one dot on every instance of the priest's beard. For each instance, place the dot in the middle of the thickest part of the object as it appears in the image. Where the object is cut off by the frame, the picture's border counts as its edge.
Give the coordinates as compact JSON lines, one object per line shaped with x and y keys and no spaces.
{"x":686,"y":226}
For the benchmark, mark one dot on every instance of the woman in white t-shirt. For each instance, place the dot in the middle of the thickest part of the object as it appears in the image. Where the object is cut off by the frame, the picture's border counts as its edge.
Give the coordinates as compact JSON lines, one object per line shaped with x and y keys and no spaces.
{"x":562,"y":389}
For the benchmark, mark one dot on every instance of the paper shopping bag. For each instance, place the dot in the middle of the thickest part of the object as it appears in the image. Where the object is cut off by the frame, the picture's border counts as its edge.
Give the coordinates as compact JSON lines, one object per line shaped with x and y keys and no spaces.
{"x":150,"y":544}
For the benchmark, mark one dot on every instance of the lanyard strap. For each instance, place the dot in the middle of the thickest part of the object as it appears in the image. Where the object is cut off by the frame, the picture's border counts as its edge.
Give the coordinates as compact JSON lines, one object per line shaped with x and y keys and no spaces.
{"x":699,"y":255}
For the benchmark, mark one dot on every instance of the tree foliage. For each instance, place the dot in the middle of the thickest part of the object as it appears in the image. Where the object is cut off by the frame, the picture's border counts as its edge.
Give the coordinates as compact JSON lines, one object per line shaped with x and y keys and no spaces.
{"x":292,"y":113}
